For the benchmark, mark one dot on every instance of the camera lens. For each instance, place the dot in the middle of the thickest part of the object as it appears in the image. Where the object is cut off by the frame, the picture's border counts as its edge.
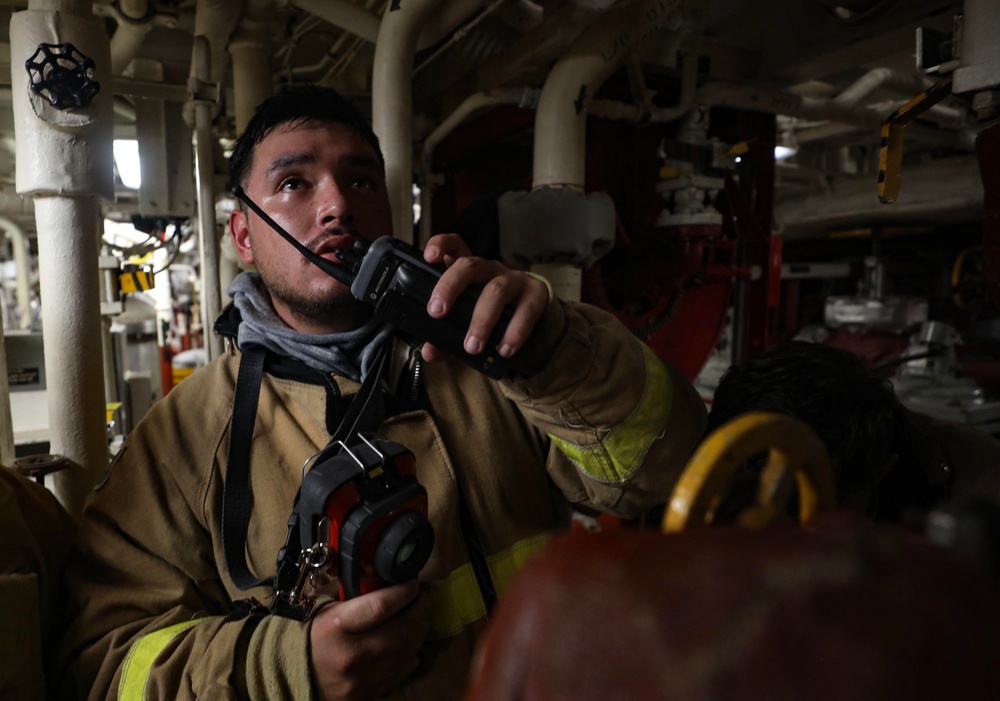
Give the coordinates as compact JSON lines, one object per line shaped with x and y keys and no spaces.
{"x":405,"y":551}
{"x":404,"y":547}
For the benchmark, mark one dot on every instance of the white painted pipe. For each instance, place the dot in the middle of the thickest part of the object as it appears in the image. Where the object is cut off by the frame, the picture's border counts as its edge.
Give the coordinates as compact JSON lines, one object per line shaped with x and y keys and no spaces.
{"x":561,"y":123}
{"x":392,"y":108}
{"x":65,"y":161}
{"x":210,"y":296}
{"x":71,"y":319}
{"x":250,"y":49}
{"x":251,"y":77}
{"x":22,"y":265}
{"x":252,"y":84}
{"x":216,"y":20}
{"x":133,"y":26}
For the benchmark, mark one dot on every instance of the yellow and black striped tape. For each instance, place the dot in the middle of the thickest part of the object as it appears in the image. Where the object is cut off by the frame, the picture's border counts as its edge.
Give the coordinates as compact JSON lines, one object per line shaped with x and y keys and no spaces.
{"x":136,"y":280}
{"x":890,"y":156}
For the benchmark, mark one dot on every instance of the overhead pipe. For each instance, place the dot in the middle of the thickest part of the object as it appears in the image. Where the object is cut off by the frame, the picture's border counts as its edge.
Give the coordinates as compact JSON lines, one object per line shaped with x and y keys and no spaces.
{"x":64,"y":160}
{"x":841,"y":110}
{"x":215,"y":21}
{"x":253,"y":83}
{"x":560,"y":127}
{"x":460,"y":33}
{"x":366,"y":24}
{"x":343,"y":14}
{"x":539,"y":46}
{"x":134,"y":20}
{"x":392,"y":104}
{"x":22,"y":265}
{"x":250,"y":49}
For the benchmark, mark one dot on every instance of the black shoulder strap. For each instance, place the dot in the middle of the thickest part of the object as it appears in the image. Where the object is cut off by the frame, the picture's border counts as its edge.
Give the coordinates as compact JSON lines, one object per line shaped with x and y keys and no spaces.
{"x":237,"y":497}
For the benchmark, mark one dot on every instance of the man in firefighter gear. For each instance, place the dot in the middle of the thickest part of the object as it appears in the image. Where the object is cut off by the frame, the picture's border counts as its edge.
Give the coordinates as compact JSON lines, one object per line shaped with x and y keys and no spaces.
{"x":590,"y":417}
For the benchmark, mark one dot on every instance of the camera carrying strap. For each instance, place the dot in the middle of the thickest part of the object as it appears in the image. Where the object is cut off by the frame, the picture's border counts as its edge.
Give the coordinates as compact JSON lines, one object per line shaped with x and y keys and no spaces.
{"x":364,"y":414}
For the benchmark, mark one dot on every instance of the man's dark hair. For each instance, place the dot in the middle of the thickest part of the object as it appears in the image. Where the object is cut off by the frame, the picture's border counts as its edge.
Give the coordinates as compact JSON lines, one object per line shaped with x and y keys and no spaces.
{"x":296,"y":105}
{"x":855,"y":413}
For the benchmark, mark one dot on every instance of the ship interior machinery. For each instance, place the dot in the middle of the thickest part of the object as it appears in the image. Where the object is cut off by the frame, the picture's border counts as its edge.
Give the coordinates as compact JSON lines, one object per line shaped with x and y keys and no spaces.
{"x":723,"y":176}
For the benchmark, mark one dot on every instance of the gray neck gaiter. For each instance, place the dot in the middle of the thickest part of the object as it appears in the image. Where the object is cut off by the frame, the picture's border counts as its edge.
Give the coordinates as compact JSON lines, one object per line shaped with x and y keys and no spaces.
{"x":349,"y":354}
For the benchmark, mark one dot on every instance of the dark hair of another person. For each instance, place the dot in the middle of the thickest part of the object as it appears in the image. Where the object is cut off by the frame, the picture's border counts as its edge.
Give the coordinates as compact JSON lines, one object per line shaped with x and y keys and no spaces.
{"x":856,"y":414}
{"x":296,"y":105}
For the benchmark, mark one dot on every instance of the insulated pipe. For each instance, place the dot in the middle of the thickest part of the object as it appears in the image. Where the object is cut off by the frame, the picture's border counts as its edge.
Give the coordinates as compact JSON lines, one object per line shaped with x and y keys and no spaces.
{"x":208,"y":239}
{"x":560,"y":127}
{"x":561,"y":121}
{"x":906,"y":83}
{"x":22,"y":264}
{"x":522,"y":97}
{"x":74,"y":368}
{"x":251,"y":51}
{"x":133,"y":26}
{"x":135,"y":20}
{"x":215,"y":21}
{"x":392,"y":108}
{"x":252,"y":84}
{"x":65,"y":162}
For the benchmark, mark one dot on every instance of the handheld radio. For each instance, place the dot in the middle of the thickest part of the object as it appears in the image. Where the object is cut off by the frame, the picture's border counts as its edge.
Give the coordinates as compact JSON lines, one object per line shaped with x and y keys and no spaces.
{"x":391,"y":276}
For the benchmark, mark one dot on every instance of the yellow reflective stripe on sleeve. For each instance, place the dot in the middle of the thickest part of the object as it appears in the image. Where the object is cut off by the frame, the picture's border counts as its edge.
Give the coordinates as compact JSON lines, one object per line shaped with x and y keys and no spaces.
{"x":140,"y":659}
{"x":620,"y":452}
{"x":456,"y":601}
{"x":505,"y":565}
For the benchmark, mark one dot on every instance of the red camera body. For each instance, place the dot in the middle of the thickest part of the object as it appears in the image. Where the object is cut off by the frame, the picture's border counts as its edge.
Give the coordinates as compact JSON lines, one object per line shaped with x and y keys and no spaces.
{"x":365,"y":503}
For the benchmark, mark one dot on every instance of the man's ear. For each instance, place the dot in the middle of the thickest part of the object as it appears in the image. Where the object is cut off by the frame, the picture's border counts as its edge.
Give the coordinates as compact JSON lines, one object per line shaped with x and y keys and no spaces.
{"x":240,"y":232}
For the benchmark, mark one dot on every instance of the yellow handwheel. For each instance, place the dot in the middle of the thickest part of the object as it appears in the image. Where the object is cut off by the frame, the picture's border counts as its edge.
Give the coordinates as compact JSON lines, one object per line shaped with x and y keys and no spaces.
{"x":793,"y":449}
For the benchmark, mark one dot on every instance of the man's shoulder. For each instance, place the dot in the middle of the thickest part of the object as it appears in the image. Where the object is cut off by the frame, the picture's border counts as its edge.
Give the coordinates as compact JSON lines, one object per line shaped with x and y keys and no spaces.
{"x":207,"y":391}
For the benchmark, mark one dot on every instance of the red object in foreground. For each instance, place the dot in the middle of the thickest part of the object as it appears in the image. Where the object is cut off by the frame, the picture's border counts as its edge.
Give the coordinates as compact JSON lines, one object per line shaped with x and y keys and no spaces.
{"x":837,"y":610}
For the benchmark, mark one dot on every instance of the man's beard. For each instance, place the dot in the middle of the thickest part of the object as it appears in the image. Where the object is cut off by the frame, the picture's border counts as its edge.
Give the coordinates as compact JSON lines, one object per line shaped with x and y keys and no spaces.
{"x":331,"y":309}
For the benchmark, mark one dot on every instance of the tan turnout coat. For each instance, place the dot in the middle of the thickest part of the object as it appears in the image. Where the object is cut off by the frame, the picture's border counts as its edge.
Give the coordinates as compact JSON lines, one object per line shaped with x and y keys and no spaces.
{"x":149,"y":580}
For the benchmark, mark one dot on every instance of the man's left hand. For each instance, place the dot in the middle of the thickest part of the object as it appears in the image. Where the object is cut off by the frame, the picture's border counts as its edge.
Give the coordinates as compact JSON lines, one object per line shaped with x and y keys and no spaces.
{"x":501,"y":287}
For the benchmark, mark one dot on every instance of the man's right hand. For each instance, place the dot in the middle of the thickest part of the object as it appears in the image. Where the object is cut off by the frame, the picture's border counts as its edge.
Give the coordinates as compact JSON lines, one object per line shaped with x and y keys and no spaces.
{"x":366,"y":647}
